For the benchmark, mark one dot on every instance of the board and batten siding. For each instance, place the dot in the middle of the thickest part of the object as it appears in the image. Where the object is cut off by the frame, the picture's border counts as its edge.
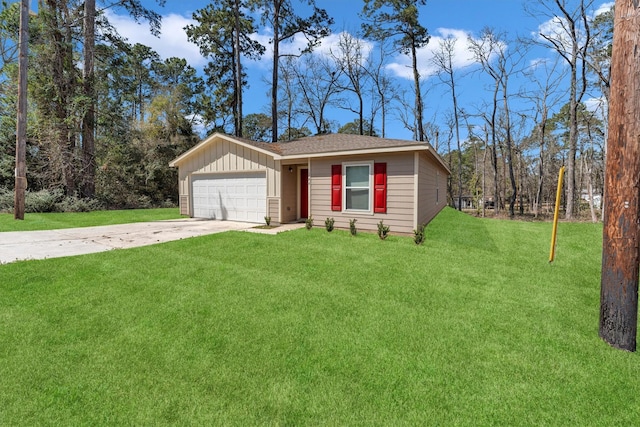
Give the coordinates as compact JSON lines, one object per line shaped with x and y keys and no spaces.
{"x":400,"y":193}
{"x":432,"y":188}
{"x":223,"y":156}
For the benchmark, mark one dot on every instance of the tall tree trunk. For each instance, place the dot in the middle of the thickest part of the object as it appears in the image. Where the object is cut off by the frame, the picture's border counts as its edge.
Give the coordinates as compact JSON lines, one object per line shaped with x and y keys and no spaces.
{"x":521,"y":183}
{"x":484,"y":171}
{"x":416,"y":82}
{"x":274,"y":77}
{"x":543,"y":130}
{"x":457,"y":124}
{"x":619,"y":281}
{"x":238,"y":69}
{"x":573,"y":143}
{"x":509,"y":147}
{"x":361,"y":114}
{"x":494,"y":153}
{"x":383,"y":117}
{"x":88,"y":121}
{"x":62,"y":80}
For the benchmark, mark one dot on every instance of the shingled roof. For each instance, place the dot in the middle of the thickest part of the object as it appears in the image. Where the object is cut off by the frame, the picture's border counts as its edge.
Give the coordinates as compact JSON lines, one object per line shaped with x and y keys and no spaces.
{"x":319,"y":145}
{"x":336,"y":142}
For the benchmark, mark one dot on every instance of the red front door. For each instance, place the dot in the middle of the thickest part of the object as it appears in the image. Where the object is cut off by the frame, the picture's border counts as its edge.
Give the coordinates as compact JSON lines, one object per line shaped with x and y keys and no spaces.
{"x":304,"y":193}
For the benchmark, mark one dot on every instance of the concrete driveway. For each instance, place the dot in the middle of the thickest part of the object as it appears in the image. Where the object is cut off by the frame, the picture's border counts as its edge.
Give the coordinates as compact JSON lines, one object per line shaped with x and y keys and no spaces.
{"x":26,"y":245}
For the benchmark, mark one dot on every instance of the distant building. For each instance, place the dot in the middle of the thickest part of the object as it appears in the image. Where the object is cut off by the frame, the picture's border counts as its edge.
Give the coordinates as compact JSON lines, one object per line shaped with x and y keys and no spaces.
{"x":597,"y":199}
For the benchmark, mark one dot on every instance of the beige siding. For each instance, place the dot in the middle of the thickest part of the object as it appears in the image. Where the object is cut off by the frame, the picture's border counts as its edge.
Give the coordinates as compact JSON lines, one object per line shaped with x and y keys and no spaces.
{"x":183,"y":191}
{"x":400,"y":193}
{"x":432,"y":187}
{"x":223,"y":156}
{"x":289,"y":212}
{"x":273,"y":209}
{"x":184,"y":205}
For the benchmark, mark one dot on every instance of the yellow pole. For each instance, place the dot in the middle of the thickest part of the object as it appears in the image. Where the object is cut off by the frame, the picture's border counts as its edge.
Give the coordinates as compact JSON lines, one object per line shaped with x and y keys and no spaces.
{"x":555,"y":216}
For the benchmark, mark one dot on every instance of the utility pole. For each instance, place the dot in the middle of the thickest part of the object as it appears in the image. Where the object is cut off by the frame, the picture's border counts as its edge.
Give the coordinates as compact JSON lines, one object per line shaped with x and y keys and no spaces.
{"x":620,"y":252}
{"x":21,"y":125}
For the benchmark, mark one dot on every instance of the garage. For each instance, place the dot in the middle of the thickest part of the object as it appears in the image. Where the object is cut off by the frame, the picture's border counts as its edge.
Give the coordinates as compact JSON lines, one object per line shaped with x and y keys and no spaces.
{"x":235,"y":197}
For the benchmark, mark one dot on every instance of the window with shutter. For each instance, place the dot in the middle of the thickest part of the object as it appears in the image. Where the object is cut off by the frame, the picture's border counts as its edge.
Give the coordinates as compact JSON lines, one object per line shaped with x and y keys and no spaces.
{"x":359,"y":187}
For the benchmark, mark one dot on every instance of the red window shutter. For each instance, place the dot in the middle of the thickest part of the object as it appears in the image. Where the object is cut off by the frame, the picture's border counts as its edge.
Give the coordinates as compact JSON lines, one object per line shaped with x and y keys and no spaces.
{"x":336,"y":187}
{"x":380,"y":187}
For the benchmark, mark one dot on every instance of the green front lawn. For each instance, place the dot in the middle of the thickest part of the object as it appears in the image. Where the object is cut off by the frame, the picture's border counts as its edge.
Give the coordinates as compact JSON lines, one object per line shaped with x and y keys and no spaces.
{"x":51,"y":221}
{"x":316,"y":328}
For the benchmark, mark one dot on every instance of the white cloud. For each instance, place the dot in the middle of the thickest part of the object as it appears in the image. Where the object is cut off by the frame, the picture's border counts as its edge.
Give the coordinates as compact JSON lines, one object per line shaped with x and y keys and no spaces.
{"x":557,"y":29}
{"x":331,"y":44}
{"x":538,"y":62}
{"x":603,"y":8}
{"x":293,"y":46}
{"x":172,"y":42}
{"x":298,"y":43}
{"x":598,"y":106}
{"x":462,"y":56}
{"x":198,"y":123}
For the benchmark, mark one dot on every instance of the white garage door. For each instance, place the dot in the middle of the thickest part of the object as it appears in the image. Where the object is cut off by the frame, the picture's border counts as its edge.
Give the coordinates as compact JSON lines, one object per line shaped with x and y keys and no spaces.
{"x":237,"y":197}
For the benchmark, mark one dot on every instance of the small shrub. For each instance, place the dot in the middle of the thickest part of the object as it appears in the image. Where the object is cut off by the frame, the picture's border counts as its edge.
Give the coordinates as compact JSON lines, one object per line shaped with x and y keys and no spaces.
{"x":267,"y":220}
{"x":77,"y":204}
{"x":352,"y":227}
{"x":168,"y":203}
{"x":6,"y":200}
{"x":383,"y":230}
{"x":418,"y":234}
{"x":42,"y":201}
{"x":328,"y":224}
{"x":308,"y":223}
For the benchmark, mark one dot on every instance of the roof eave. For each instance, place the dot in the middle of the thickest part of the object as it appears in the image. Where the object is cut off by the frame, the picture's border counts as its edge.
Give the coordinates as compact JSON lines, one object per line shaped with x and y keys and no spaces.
{"x":395,"y":149}
{"x":353,"y":152}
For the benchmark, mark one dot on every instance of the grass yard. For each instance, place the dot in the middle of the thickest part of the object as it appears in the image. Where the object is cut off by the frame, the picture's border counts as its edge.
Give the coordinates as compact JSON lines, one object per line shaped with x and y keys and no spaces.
{"x":316,"y":328}
{"x":51,"y":221}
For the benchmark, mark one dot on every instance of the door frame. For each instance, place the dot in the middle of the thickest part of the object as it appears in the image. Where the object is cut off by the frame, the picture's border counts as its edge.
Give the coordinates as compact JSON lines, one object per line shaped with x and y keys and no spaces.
{"x":299,"y":191}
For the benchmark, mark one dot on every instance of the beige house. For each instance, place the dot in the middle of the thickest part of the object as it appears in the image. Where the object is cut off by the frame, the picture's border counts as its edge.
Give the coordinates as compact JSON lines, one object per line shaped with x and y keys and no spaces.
{"x":340,"y":176}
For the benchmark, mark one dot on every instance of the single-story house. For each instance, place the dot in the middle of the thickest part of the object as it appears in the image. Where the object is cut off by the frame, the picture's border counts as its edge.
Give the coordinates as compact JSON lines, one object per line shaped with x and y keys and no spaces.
{"x":340,"y":176}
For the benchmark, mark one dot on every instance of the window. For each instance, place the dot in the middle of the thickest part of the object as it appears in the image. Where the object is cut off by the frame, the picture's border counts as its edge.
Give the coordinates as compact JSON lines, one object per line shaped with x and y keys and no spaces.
{"x":357,"y":187}
{"x":364,"y":184}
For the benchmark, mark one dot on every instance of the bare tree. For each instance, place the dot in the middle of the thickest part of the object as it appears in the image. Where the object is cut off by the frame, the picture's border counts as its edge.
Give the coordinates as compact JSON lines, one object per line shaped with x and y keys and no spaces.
{"x":289,"y":95}
{"x":383,"y":89}
{"x":350,"y":56}
{"x":569,"y":35}
{"x":443,"y":60}
{"x":545,"y":95}
{"x":492,"y":52}
{"x":317,"y":80}
{"x":450,"y":133}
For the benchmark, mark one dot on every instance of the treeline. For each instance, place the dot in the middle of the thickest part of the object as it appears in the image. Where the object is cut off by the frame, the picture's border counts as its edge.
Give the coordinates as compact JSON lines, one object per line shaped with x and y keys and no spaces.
{"x":103,"y":134}
{"x":106,"y":116}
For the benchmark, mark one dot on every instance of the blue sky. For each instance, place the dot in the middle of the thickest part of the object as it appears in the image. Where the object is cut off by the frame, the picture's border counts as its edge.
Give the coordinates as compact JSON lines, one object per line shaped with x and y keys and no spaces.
{"x":461,"y":18}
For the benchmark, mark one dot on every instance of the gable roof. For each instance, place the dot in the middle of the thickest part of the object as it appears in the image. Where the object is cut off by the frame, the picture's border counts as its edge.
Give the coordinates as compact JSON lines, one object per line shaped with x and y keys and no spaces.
{"x":335,"y":144}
